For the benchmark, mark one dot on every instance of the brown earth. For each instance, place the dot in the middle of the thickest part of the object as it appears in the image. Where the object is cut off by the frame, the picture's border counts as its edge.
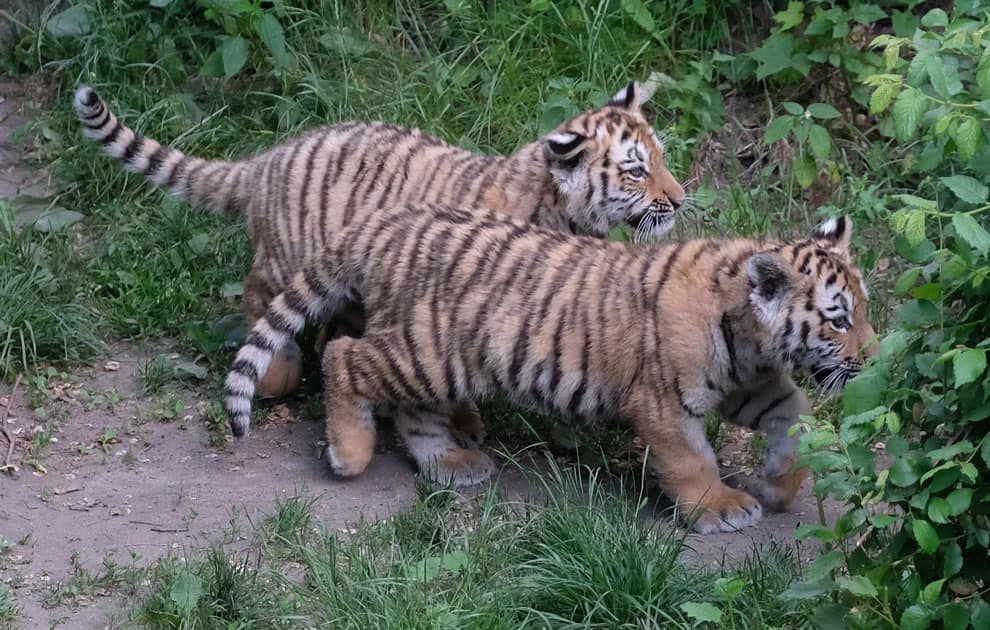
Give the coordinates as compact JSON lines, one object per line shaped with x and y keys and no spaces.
{"x":129,"y":476}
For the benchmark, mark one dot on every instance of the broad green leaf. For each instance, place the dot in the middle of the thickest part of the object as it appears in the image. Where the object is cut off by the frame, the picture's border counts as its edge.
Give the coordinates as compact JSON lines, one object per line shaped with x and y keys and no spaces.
{"x":907,"y":280}
{"x":824,"y":564}
{"x":347,"y":43}
{"x":882,"y":520}
{"x":271,"y":33}
{"x":778,"y":128}
{"x":790,"y":17}
{"x":198,"y":243}
{"x":160,"y":3}
{"x":985,"y":452}
{"x":807,"y":589}
{"x":774,"y":55}
{"x":913,"y":201}
{"x":814,"y":530}
{"x":823,"y":111}
{"x":186,"y":591}
{"x":959,"y":500}
{"x":902,"y":473}
{"x":914,"y":228}
{"x":793,"y":108}
{"x":805,"y":170}
{"x":935,"y":17}
{"x":953,"y":561}
{"x":965,"y":447}
{"x":234,"y":52}
{"x":930,"y":593}
{"x":938,"y":510}
{"x":56,"y":219}
{"x":915,"y":617}
{"x":972,"y":232}
{"x":821,"y":144}
{"x":702,"y":611}
{"x":956,"y":617}
{"x":866,"y":14}
{"x":73,"y":22}
{"x":917,"y":313}
{"x":968,"y":134}
{"x":981,"y":614}
{"x":864,"y":391}
{"x":966,"y":188}
{"x":968,"y":365}
{"x":880,"y":100}
{"x":189,"y":368}
{"x":909,"y":107}
{"x":857,"y":585}
{"x":640,"y":14}
{"x":939,"y":76}
{"x":983,"y":75}
{"x":918,"y":68}
{"x":926,"y":535}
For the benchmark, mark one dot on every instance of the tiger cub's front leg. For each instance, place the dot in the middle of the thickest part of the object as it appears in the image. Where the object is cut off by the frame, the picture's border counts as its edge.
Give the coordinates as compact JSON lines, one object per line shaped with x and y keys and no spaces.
{"x":687,"y":468}
{"x":774,"y":408}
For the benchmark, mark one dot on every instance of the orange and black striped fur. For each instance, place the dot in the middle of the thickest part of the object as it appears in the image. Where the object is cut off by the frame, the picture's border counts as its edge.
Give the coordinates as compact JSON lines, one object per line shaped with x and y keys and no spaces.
{"x":602,"y":168}
{"x":464,"y":304}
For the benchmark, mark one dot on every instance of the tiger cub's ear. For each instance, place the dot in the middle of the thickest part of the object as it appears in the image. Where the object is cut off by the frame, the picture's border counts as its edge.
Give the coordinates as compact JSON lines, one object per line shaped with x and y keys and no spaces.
{"x":836,"y":234}
{"x":771,"y":282}
{"x":565,"y":150}
{"x":634,"y":95}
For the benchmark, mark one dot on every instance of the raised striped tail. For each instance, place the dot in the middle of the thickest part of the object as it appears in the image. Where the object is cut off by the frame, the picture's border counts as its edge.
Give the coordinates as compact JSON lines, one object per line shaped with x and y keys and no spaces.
{"x":211,"y":184}
{"x":310,"y":296}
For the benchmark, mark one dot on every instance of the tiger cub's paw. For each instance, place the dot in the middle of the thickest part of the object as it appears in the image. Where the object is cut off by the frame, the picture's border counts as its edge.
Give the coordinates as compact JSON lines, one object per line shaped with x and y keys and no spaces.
{"x":466,"y":426}
{"x":460,"y":468}
{"x":777,"y":492}
{"x":725,"y":510}
{"x":283,"y":374}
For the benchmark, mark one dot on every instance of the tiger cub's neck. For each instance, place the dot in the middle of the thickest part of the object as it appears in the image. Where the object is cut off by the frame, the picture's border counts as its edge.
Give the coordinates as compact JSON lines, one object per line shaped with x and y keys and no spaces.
{"x":524,"y":189}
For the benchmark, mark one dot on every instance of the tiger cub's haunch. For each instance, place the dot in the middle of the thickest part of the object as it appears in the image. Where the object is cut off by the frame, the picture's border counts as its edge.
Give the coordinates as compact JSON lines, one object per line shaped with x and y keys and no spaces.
{"x":600,"y":169}
{"x":463,"y":304}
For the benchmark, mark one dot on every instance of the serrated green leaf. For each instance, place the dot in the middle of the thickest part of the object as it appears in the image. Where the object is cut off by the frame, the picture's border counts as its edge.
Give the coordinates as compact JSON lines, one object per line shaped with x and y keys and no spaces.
{"x":271,"y":33}
{"x":914,"y":229}
{"x":968,"y":365}
{"x":915,"y":617}
{"x":968,"y":135}
{"x":926,"y":535}
{"x":774,"y":55}
{"x":790,"y":17}
{"x":866,"y":14}
{"x":778,"y":128}
{"x":909,"y":107}
{"x":918,"y":68}
{"x":882,"y":96}
{"x":975,"y":235}
{"x":930,"y":593}
{"x":857,"y":585}
{"x":913,"y":201}
{"x":234,"y":52}
{"x":821,"y":143}
{"x":983,"y":75}
{"x":702,"y":611}
{"x":823,"y":111}
{"x":955,"y":617}
{"x":966,"y":188}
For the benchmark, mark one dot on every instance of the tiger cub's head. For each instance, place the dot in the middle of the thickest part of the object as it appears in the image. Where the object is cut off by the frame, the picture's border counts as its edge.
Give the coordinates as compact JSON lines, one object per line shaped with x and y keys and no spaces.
{"x":813,"y":300}
{"x":608,"y":166}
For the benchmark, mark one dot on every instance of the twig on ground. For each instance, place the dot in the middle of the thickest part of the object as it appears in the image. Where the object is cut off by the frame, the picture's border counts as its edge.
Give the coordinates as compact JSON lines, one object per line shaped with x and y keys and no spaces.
{"x":3,"y":426}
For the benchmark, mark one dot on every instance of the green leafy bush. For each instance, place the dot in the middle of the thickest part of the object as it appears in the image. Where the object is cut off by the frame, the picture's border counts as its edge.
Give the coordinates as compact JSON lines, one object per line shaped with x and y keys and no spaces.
{"x":911,"y":455}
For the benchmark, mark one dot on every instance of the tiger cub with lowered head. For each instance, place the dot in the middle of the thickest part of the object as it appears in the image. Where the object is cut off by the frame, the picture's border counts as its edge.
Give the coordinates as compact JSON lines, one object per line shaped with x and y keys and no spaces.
{"x":603,"y":168}
{"x":465,"y":304}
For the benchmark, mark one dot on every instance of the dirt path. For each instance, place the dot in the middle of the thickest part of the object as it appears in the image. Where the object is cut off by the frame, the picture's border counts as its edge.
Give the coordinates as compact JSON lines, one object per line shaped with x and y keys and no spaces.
{"x":132,"y":476}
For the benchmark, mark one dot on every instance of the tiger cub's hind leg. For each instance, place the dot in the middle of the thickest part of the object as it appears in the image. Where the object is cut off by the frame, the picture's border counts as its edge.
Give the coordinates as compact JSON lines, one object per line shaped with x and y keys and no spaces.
{"x":429,"y":436}
{"x":773,"y":409}
{"x":285,"y":370}
{"x":350,"y":419}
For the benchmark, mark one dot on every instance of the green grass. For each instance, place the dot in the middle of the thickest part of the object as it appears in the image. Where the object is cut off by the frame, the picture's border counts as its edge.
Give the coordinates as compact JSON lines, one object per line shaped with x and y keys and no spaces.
{"x":585,"y":555}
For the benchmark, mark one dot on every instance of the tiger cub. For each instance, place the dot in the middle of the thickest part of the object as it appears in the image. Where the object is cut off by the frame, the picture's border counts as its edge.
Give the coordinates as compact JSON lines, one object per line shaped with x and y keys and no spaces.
{"x":603,"y":168}
{"x":465,"y":304}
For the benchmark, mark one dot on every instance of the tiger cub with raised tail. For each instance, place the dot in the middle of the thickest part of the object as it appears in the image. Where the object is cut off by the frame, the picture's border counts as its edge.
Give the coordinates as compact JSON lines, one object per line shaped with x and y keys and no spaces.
{"x":603,"y":168}
{"x":466,"y":304}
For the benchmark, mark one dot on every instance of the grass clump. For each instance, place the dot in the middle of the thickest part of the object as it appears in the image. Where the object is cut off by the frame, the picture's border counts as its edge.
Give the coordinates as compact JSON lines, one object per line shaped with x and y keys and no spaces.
{"x":582,"y":555}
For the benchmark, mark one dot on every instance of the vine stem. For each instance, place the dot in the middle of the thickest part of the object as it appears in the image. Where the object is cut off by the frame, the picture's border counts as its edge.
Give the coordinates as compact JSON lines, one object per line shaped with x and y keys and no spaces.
{"x":3,"y":425}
